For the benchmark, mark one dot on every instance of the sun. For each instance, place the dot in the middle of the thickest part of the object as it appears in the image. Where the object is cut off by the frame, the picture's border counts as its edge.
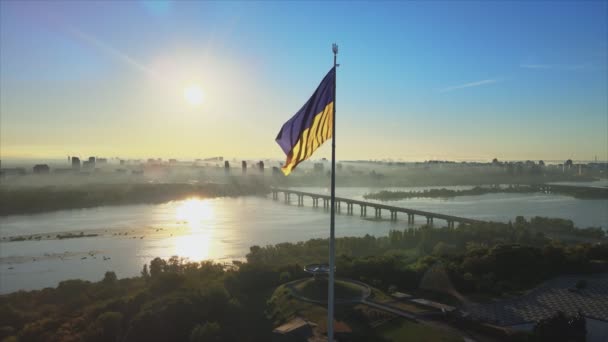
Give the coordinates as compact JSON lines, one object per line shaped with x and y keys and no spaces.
{"x":193,"y":94}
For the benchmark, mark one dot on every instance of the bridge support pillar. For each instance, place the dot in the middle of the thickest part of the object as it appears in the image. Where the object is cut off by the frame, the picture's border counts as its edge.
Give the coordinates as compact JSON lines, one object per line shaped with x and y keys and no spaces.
{"x":349,"y":208}
{"x":275,"y":195}
{"x":451,"y":224}
{"x":300,"y":200}
{"x":363,"y":210}
{"x":393,"y":215}
{"x":325,"y":204}
{"x":378,"y":213}
{"x":429,"y":220}
{"x":410,"y":218}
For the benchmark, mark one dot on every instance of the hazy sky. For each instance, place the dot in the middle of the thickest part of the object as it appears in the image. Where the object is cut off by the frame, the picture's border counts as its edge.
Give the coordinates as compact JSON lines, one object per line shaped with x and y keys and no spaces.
{"x":418,"y":80}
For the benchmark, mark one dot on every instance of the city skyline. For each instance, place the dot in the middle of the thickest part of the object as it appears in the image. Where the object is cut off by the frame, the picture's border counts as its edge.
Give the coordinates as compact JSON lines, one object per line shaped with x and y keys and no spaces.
{"x":418,"y":81}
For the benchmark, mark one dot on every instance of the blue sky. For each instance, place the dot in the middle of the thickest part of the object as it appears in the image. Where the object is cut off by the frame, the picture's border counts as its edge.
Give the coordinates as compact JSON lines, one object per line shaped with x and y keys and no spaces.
{"x":418,"y":80}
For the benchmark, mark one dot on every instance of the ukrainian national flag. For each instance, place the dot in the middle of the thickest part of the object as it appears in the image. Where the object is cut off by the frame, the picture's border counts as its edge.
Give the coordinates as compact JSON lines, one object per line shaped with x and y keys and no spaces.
{"x":310,"y":126}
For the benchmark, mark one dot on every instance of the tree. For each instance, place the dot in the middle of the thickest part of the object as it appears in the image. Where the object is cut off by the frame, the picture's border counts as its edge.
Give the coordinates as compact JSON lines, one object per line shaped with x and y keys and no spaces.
{"x":561,"y":328}
{"x":144,"y":272}
{"x":109,"y":278}
{"x":157,"y":266}
{"x":110,"y":323}
{"x":209,"y":332}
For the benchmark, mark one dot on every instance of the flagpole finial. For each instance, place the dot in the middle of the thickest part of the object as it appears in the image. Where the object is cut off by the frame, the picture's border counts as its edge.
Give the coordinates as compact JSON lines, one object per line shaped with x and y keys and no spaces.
{"x":334,"y":48}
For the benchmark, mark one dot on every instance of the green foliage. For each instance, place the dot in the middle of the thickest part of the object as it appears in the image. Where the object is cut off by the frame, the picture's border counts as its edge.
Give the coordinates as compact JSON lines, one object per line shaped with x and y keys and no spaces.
{"x":561,"y":328}
{"x":209,"y":332}
{"x":107,"y":327}
{"x":403,"y":330}
{"x":24,"y":200}
{"x":6,"y":331}
{"x":109,"y":278}
{"x":579,"y":192}
{"x":144,"y":272}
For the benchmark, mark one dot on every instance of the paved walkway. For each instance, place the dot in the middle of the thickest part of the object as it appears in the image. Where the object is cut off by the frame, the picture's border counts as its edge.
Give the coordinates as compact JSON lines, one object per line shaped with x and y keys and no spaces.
{"x":550,"y":297}
{"x":366,"y":291}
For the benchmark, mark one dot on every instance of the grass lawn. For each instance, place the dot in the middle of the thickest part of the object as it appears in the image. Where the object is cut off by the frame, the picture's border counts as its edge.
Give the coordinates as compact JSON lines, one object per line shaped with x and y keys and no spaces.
{"x":380,"y":296}
{"x":283,"y":307}
{"x":403,"y":330}
{"x":409,"y":307}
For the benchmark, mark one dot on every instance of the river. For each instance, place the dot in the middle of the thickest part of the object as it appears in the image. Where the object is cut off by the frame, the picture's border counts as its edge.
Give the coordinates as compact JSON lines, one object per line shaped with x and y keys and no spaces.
{"x":223,"y":229}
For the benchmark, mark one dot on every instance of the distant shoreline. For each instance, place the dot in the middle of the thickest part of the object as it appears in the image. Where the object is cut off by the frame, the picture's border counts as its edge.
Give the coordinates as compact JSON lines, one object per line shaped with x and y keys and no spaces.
{"x":25,"y":200}
{"x":576,"y":192}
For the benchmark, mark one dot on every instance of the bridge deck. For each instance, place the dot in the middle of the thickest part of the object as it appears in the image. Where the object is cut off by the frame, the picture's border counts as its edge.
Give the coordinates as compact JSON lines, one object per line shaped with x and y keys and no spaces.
{"x":382,"y":206}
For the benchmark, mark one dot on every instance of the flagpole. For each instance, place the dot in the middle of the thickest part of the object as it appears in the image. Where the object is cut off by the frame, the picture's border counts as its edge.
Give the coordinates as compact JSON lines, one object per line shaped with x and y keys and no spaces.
{"x":332,"y":245}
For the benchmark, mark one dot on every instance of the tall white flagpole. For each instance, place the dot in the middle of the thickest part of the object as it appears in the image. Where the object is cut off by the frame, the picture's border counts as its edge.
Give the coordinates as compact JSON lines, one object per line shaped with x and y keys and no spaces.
{"x":332,"y":245}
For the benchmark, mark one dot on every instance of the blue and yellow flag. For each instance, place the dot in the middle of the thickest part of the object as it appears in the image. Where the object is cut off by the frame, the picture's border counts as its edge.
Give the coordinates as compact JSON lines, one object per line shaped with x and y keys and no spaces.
{"x":310,"y":126}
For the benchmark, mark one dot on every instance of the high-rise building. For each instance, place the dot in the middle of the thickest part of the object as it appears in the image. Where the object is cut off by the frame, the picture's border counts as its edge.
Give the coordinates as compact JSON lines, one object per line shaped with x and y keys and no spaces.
{"x":75,"y":163}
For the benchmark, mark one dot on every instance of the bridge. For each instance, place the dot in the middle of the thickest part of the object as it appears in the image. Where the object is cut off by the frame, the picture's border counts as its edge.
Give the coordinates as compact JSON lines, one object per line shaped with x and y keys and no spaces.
{"x":363,"y":205}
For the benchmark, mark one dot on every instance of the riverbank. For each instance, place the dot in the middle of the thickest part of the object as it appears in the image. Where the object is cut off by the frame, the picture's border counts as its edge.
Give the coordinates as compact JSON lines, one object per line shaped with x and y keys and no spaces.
{"x":29,"y":200}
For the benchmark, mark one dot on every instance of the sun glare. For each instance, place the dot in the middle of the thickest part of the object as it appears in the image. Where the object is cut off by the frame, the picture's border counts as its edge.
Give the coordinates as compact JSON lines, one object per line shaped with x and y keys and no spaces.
{"x":193,"y":95}
{"x":194,"y":211}
{"x":198,"y":215}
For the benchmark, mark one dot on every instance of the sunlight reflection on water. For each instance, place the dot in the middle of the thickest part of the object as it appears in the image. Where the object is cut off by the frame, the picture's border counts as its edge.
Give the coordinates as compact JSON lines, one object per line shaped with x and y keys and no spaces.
{"x":199,"y":215}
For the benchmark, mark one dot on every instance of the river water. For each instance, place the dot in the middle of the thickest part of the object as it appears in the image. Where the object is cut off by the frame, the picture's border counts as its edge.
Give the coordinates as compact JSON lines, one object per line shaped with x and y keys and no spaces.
{"x":223,"y":229}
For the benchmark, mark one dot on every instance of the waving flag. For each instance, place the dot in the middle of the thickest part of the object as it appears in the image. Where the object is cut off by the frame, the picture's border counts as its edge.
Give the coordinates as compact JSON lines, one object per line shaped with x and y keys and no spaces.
{"x":311,"y":126}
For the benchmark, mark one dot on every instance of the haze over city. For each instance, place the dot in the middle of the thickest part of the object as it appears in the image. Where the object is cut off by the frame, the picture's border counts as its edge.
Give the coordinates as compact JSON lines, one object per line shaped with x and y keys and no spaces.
{"x":138,"y":79}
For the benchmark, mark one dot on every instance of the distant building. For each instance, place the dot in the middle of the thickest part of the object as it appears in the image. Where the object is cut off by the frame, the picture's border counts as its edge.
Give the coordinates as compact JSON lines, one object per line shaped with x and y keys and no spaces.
{"x":172,"y":161}
{"x":89,"y":164}
{"x":75,"y":163}
{"x":227,"y":166}
{"x":261,"y":166}
{"x":41,"y":169}
{"x":297,"y":329}
{"x":276,"y":171}
{"x":102,"y":161}
{"x":122,"y":162}
{"x":244,"y":166}
{"x":318,"y":167}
